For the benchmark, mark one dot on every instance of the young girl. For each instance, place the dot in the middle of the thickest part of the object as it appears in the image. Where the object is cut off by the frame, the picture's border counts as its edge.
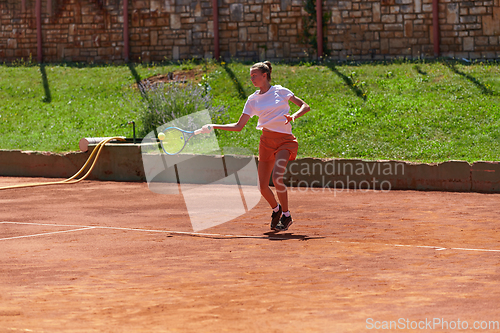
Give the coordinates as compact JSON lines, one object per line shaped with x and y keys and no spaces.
{"x":277,"y":143}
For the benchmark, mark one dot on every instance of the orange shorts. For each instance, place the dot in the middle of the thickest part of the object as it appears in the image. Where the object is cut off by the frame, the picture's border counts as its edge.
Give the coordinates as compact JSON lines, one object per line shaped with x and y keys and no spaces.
{"x":273,"y":142}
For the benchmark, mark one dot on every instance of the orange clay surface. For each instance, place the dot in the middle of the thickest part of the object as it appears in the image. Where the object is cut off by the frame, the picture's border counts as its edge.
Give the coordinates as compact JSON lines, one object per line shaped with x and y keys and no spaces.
{"x":98,"y":257}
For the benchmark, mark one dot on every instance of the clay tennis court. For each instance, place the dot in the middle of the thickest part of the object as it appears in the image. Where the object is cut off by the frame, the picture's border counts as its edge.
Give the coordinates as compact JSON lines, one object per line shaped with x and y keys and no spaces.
{"x":108,"y":257}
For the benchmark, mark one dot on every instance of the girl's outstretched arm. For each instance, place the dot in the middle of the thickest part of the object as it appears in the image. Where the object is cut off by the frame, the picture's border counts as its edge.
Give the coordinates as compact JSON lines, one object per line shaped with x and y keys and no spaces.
{"x":228,"y":127}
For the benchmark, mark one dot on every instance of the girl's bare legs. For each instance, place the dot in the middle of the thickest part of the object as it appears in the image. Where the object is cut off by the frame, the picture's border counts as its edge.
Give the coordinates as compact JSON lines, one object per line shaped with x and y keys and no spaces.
{"x":264,"y":170}
{"x":277,"y":168}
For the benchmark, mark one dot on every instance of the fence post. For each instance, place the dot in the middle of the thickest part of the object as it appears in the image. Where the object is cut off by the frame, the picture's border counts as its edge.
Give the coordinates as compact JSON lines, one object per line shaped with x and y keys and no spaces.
{"x":126,"y":49}
{"x":38,"y":13}
{"x":435,"y":27}
{"x":215,"y":15}
{"x":319,"y":27}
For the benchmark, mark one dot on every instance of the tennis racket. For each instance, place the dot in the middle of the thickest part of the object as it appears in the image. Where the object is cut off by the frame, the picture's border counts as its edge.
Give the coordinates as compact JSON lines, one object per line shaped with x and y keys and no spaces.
{"x":173,"y":139}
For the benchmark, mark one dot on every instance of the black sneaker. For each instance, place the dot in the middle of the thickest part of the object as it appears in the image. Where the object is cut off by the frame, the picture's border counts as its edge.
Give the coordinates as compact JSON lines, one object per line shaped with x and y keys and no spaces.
{"x":285,"y":223}
{"x":275,"y":218}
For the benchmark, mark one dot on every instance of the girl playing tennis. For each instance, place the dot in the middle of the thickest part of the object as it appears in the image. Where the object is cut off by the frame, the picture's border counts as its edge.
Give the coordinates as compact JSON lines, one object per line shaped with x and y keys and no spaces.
{"x":277,"y":143}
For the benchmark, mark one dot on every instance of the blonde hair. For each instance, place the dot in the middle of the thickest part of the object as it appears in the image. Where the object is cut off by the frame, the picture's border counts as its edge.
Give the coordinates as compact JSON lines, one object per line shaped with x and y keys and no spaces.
{"x":264,"y":67}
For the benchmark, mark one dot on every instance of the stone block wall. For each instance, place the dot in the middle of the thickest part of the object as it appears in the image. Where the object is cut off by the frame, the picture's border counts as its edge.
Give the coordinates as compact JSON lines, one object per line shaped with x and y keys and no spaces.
{"x":17,"y":31}
{"x":92,"y":30}
{"x":73,"y":30}
{"x":375,"y":29}
{"x":170,"y":29}
{"x":404,"y":28}
{"x":470,"y":29}
{"x":258,"y":29}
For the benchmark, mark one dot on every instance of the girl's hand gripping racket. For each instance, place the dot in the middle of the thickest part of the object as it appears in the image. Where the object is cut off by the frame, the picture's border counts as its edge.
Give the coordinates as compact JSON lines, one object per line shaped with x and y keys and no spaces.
{"x":173,"y":140}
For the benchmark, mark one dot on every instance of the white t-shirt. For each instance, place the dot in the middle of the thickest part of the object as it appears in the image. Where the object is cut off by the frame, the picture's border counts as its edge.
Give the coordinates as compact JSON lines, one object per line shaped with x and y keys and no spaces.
{"x":270,"y":107}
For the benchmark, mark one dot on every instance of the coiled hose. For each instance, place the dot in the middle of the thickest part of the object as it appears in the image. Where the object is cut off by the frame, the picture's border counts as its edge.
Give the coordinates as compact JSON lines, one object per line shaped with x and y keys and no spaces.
{"x":72,"y":180}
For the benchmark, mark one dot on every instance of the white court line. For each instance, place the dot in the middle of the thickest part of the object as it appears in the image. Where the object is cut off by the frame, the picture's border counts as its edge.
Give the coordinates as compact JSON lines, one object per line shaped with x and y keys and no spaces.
{"x":437,"y":248}
{"x":465,"y":249}
{"x":143,"y":230}
{"x":46,"y":233}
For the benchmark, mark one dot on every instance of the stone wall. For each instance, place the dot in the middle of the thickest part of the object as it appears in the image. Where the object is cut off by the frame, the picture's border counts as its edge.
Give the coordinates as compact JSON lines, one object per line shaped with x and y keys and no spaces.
{"x":72,"y":31}
{"x":262,"y":29}
{"x":470,"y":29}
{"x":92,"y":30}
{"x":404,"y":28}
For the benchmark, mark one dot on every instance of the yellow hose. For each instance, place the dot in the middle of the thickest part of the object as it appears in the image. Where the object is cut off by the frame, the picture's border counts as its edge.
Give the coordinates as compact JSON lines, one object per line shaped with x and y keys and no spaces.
{"x":72,"y":179}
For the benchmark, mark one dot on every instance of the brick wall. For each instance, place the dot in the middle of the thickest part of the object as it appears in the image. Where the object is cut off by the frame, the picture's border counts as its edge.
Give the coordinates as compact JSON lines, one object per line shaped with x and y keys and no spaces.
{"x":376,"y":29}
{"x":92,"y":30}
{"x":470,"y":29}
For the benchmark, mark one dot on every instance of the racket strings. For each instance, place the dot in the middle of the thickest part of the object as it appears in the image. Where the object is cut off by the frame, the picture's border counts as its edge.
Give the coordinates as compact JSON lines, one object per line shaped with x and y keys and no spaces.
{"x":174,"y":141}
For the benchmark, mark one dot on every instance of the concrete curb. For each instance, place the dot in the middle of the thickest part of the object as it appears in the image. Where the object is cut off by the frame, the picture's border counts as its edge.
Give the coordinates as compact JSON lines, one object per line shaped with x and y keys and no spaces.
{"x":123,"y":162}
{"x":485,"y":177}
{"x":379,"y":175}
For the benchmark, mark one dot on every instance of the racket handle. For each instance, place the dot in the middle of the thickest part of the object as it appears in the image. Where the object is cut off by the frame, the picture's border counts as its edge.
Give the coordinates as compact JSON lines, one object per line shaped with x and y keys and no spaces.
{"x":199,"y":131}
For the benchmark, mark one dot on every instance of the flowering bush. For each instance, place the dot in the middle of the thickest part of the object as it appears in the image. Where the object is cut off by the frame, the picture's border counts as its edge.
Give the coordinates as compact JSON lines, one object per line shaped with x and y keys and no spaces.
{"x":162,"y":102}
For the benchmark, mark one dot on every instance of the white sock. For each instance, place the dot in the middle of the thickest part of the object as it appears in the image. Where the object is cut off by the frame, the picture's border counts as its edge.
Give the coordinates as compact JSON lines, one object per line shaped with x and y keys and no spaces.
{"x":276,"y":209}
{"x":287,"y":213}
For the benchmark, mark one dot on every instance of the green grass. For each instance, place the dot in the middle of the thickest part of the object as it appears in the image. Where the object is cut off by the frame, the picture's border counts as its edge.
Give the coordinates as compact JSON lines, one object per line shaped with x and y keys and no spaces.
{"x":408,"y":111}
{"x":51,"y":107}
{"x":415,"y":111}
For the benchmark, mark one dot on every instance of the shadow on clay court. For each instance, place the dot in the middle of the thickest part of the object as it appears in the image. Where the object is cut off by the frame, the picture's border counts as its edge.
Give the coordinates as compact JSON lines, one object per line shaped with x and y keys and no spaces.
{"x":272,"y":236}
{"x":289,"y":236}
